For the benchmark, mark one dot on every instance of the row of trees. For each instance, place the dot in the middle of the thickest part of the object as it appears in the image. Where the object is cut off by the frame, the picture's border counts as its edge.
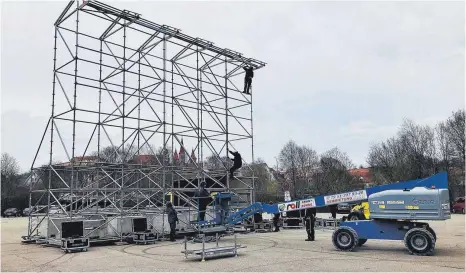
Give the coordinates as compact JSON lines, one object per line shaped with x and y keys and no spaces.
{"x":416,"y":151}
{"x":13,"y":185}
{"x":310,"y":173}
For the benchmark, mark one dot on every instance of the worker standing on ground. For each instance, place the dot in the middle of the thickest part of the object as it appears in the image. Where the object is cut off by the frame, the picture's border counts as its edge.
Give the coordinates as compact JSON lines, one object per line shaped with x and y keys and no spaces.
{"x":237,"y":162}
{"x":333,"y":211}
{"x":248,"y":78}
{"x":203,"y":199}
{"x":310,"y":219}
{"x":172,"y":220}
{"x":276,"y":217}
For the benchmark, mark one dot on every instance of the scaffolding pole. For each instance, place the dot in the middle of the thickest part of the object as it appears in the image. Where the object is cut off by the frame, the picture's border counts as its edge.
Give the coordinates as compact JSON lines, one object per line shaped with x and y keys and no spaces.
{"x":137,"y":93}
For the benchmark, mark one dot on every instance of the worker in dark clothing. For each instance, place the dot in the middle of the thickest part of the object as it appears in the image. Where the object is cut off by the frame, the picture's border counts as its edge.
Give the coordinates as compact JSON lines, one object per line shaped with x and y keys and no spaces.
{"x":237,"y":162}
{"x":203,"y":199}
{"x":310,"y":219}
{"x":248,"y":78}
{"x":276,"y":218}
{"x":333,"y":211}
{"x":172,"y":220}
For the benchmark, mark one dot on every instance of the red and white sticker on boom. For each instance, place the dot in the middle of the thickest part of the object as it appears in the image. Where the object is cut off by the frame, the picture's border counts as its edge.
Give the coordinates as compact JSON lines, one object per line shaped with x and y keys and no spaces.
{"x":345,"y":197}
{"x":295,"y":205}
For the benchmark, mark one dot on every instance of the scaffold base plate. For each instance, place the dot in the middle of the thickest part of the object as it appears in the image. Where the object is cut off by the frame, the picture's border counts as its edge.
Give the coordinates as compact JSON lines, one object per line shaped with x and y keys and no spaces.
{"x":214,"y":252}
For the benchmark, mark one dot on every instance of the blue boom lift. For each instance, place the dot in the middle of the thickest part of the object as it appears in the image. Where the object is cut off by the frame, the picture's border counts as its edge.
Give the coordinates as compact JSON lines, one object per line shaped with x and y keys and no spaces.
{"x":394,"y":208}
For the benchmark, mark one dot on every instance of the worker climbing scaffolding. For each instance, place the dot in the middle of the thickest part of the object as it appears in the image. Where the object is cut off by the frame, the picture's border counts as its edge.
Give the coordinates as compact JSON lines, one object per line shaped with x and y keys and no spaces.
{"x":237,"y":162}
{"x":248,"y":78}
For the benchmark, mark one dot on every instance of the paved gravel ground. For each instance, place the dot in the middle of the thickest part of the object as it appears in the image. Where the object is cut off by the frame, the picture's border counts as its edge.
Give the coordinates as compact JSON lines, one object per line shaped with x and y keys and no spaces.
{"x":283,"y":251}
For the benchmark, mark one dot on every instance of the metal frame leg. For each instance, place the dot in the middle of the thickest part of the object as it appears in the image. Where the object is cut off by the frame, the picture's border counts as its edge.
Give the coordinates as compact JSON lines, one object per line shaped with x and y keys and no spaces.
{"x":203,"y":248}
{"x":236,"y":252}
{"x":185,"y":247}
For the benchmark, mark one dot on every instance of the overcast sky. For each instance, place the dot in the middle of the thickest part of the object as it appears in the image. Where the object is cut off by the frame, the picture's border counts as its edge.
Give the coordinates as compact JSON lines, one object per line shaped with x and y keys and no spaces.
{"x":338,"y":73}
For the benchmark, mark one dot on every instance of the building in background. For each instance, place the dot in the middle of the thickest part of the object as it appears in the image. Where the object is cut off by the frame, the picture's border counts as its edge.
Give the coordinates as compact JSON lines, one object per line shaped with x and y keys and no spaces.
{"x":362,"y":176}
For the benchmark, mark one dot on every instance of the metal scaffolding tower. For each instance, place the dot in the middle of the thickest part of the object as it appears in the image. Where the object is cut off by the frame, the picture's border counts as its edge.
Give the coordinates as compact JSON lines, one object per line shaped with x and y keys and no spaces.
{"x":127,"y":95}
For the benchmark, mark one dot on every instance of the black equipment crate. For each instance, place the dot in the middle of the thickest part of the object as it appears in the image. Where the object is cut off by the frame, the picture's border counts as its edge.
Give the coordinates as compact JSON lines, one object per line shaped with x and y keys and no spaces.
{"x":74,"y":244}
{"x":144,"y":237}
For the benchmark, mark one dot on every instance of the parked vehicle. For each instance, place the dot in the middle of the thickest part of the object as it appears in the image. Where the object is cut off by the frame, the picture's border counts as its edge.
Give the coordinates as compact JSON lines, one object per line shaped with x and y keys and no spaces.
{"x":458,"y":206}
{"x":359,"y":212}
{"x":41,"y":209}
{"x":54,"y":210}
{"x":12,"y":212}
{"x":27,"y":211}
{"x":343,"y":208}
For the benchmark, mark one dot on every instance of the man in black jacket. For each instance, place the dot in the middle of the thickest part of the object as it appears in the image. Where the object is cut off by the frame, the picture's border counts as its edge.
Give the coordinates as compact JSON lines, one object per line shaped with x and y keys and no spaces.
{"x":203,"y":199}
{"x":237,"y":162}
{"x":333,"y":210}
{"x":172,"y":220}
{"x":248,"y":78}
{"x":276,"y":218}
{"x":310,"y":219}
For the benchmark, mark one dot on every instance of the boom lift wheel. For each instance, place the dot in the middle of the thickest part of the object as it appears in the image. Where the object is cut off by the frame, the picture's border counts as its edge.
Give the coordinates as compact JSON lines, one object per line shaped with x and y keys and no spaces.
{"x":345,"y":238}
{"x":432,"y":231}
{"x":355,"y":216}
{"x":419,"y":241}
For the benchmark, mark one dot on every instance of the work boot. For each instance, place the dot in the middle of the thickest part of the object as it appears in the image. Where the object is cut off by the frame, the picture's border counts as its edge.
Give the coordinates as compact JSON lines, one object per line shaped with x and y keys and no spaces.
{"x":309,"y":239}
{"x":172,"y":238}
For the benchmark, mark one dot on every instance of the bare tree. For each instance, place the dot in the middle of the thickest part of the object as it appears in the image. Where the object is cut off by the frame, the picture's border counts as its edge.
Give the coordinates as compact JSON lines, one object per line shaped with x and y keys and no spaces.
{"x":455,"y":129}
{"x":409,"y":155}
{"x":262,"y":175}
{"x":333,"y":176}
{"x":453,"y":152}
{"x":10,"y":167}
{"x":419,"y":151}
{"x":307,"y":166}
{"x":445,"y":150}
{"x":214,"y":163}
{"x":418,"y":142}
{"x":288,"y":159}
{"x":10,"y":183}
{"x":308,"y":173}
{"x":338,"y":157}
{"x":388,"y":161}
{"x":108,"y":154}
{"x":307,"y":160}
